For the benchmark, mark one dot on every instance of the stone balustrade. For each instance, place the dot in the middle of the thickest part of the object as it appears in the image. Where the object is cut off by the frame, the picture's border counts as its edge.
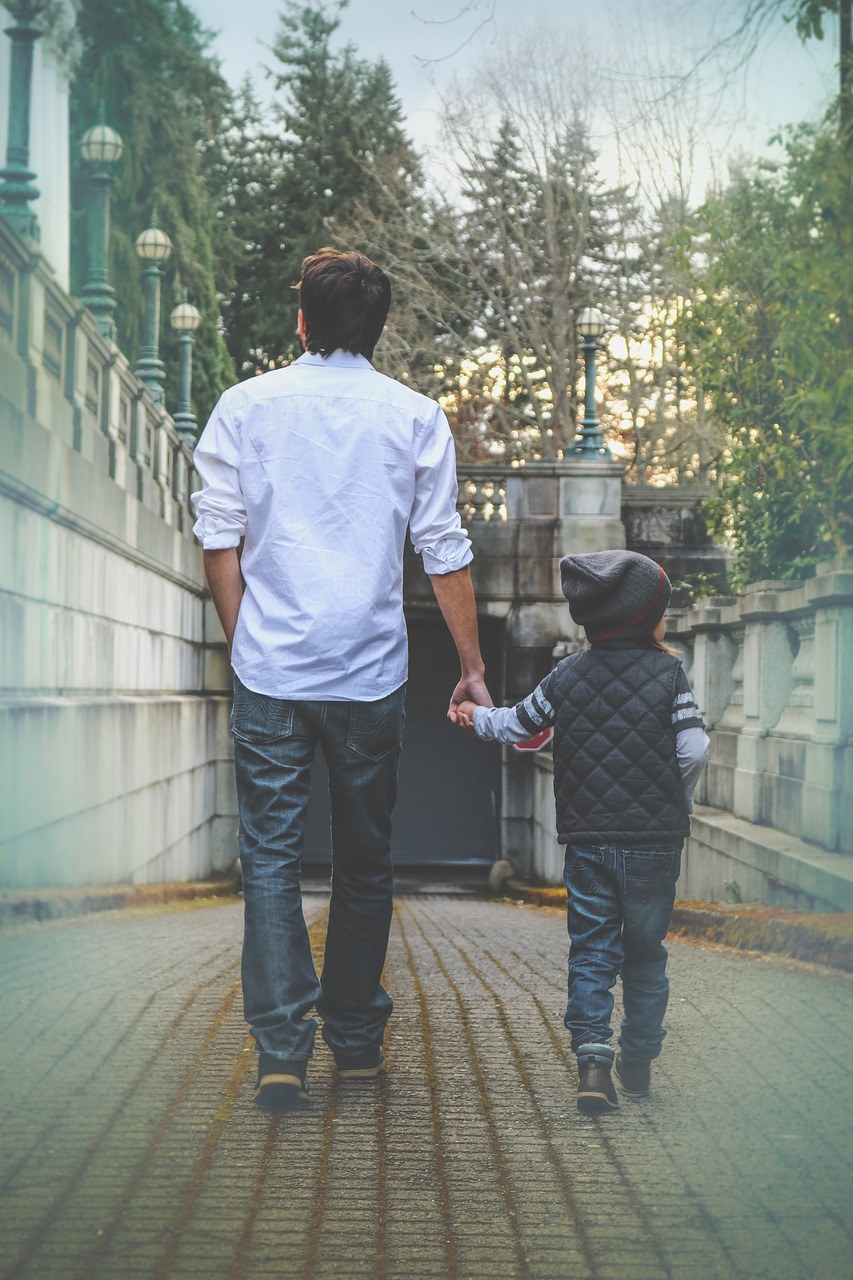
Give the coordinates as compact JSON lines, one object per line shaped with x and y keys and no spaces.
{"x":773,"y":673}
{"x":82,"y":388}
{"x":482,"y":492}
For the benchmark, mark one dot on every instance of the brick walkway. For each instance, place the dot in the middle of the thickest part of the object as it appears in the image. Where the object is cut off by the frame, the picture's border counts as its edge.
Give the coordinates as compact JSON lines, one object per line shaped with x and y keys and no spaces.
{"x":131,"y":1147}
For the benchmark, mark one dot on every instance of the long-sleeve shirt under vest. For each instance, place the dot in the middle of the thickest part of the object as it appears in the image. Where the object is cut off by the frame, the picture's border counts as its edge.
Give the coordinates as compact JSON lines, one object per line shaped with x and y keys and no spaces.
{"x":629,"y":744}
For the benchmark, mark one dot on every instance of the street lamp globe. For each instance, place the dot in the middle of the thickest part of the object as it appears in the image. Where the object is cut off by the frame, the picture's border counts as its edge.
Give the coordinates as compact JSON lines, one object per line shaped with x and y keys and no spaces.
{"x":591,"y":323}
{"x":185,"y":318}
{"x":101,"y":144}
{"x":152,"y":244}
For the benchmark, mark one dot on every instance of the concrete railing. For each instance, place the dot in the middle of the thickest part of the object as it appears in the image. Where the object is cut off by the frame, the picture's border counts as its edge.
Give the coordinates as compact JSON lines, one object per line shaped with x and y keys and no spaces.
{"x":773,"y":673}
{"x":58,"y":368}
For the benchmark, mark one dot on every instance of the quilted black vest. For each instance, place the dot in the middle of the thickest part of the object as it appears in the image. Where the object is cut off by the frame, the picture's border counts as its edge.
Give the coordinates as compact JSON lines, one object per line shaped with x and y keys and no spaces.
{"x":616,"y":775}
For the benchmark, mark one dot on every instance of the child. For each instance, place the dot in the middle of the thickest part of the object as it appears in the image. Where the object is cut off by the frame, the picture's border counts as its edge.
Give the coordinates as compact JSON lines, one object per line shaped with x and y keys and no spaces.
{"x":629,"y":745}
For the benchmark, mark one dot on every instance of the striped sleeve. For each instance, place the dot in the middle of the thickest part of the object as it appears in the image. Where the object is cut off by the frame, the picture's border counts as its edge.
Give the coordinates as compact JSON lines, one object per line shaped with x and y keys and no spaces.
{"x":685,"y":709}
{"x":536,"y":712}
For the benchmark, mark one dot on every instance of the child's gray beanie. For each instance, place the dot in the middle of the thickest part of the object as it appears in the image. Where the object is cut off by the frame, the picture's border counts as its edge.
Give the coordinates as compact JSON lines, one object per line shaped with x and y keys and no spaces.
{"x":615,"y":594}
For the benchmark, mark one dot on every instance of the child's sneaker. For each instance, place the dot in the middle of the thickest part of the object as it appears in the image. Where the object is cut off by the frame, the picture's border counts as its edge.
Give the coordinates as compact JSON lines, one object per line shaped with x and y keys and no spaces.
{"x":596,"y":1093}
{"x":634,"y":1078}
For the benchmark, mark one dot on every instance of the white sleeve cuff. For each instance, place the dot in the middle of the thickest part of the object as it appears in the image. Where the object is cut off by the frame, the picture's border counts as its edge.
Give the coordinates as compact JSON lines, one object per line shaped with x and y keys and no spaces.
{"x":691,"y":749}
{"x":217,"y":529}
{"x":448,"y":554}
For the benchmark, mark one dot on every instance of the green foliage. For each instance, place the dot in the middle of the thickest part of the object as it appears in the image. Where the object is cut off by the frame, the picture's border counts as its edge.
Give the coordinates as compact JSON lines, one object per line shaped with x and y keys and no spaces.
{"x":771,"y":329}
{"x":694,"y":587}
{"x":294,"y":187}
{"x":148,"y":61}
{"x":809,"y":16}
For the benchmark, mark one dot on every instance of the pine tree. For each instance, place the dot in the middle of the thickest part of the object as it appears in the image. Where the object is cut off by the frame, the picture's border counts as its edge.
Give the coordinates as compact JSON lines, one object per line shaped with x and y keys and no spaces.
{"x":534,"y":249}
{"x":337,"y":125}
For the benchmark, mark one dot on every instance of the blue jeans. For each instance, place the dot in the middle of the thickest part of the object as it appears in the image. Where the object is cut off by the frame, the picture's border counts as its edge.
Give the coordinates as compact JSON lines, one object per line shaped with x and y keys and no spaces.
{"x":620,"y":906}
{"x":274,"y":744}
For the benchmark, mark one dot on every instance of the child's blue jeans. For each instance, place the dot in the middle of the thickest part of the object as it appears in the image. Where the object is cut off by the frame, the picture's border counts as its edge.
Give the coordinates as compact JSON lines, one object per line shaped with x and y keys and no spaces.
{"x":620,"y":906}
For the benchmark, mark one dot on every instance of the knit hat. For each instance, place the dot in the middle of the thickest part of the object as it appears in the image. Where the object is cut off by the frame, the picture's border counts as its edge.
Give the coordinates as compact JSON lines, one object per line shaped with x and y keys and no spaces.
{"x":615,"y":594}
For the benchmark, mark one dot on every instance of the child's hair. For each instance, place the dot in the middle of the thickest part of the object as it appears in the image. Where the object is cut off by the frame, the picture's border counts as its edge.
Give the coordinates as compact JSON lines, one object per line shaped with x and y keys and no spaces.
{"x":652,"y":642}
{"x":664,"y":648}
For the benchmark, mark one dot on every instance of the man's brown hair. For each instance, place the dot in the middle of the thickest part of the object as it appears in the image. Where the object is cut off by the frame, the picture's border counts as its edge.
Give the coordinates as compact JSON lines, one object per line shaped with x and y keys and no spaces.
{"x":345,"y":300}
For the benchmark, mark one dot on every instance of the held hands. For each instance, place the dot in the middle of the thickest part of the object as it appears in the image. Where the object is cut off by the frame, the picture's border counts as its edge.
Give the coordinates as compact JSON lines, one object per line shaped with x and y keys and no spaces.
{"x":465,"y":715}
{"x":471,"y":690}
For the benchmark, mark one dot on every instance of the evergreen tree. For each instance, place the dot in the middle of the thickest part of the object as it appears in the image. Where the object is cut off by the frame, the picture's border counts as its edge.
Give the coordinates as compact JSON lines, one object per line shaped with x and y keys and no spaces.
{"x":148,"y":61}
{"x":338,"y":123}
{"x":533,"y":248}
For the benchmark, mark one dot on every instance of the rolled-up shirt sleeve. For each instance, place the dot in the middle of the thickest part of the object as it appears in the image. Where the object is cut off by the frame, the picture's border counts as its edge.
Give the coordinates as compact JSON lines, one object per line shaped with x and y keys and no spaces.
{"x":219,"y":505}
{"x":434,"y":523}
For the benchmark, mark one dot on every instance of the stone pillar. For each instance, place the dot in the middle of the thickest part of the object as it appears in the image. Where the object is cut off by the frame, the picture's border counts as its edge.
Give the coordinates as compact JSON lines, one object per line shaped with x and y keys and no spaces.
{"x":590,"y":503}
{"x":827,"y":797}
{"x":568,"y":507}
{"x":767,"y":683}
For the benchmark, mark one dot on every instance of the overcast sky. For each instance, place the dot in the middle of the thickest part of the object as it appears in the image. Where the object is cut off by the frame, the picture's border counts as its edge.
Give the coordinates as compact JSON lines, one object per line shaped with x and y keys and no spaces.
{"x":428,"y":43}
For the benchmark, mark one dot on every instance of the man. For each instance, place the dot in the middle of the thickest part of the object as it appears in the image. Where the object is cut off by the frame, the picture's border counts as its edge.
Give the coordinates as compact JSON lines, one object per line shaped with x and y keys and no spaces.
{"x":320,"y":468}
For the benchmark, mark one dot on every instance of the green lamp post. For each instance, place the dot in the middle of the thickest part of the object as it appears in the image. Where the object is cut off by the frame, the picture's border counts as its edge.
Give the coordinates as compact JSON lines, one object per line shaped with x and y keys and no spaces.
{"x":101,"y":148}
{"x":185,"y":319}
{"x":589,"y":442}
{"x":17,"y":189}
{"x":153,"y":247}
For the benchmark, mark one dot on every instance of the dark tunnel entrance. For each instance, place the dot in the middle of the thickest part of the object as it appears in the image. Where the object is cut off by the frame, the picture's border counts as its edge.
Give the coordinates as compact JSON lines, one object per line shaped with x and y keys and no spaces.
{"x":448,"y":799}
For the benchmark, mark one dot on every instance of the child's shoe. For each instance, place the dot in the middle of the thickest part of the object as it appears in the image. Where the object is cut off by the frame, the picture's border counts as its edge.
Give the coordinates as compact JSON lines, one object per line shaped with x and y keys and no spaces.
{"x":596,"y":1093}
{"x":634,"y":1077}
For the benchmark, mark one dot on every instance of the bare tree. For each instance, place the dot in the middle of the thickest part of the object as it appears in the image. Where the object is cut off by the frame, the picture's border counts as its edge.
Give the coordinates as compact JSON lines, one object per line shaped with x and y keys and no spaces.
{"x":530,"y":243}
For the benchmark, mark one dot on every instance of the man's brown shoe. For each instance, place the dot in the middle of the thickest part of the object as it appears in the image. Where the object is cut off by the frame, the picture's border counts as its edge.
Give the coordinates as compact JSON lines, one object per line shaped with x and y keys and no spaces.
{"x":634,"y":1077}
{"x":595,"y":1088}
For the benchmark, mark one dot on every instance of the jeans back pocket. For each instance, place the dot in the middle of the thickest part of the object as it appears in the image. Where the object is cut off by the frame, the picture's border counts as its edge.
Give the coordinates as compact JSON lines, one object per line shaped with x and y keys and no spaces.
{"x":376,"y":728}
{"x":649,"y":873}
{"x":259,"y":718}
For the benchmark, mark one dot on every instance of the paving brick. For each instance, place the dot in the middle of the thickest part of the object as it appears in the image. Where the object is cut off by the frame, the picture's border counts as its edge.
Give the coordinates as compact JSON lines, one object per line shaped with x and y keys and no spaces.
{"x":132,"y":1147}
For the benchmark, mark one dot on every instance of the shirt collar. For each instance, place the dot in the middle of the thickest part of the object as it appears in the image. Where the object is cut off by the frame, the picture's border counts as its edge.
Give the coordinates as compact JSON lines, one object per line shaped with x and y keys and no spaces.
{"x":338,"y":359}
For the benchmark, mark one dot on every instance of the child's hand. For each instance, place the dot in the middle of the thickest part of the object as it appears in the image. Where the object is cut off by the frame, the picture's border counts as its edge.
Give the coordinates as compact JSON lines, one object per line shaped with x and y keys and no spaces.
{"x":465,"y":715}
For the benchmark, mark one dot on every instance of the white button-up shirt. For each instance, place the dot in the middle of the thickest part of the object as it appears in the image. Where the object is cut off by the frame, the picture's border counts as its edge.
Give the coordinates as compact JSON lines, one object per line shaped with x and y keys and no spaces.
{"x":321,"y":467}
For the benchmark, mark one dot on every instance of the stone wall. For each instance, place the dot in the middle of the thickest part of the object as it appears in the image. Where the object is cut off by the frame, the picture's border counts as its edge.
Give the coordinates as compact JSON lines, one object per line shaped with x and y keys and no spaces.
{"x":110,"y":748}
{"x":667,"y":524}
{"x":773,"y":672}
